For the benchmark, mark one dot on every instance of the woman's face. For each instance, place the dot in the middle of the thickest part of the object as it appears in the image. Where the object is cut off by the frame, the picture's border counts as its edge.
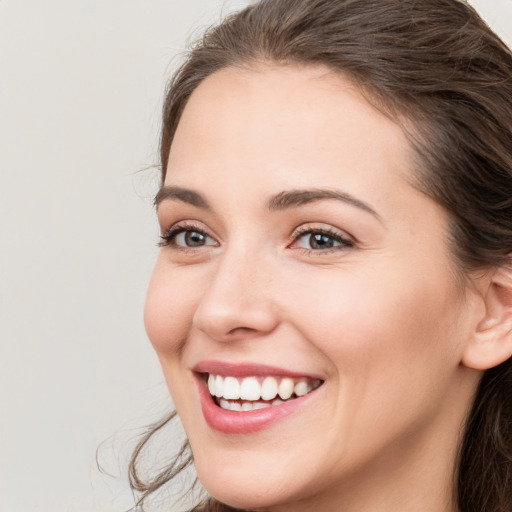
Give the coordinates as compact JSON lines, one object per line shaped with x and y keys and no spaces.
{"x":297,"y":258}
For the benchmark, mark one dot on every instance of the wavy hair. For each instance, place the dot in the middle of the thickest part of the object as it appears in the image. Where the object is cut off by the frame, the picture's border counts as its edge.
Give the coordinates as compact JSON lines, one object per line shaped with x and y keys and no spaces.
{"x":437,"y":69}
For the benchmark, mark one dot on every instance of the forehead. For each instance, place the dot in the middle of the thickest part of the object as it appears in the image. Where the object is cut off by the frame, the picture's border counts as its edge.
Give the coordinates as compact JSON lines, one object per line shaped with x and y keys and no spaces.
{"x":284,"y":122}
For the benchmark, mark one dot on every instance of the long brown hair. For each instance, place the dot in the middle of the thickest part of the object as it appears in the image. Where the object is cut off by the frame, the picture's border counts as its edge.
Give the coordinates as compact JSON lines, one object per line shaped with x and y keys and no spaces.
{"x":436,"y":68}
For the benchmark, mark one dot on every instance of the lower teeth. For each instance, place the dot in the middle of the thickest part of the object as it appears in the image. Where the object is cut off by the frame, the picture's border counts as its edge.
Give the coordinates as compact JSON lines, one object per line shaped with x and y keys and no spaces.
{"x":245,"y":405}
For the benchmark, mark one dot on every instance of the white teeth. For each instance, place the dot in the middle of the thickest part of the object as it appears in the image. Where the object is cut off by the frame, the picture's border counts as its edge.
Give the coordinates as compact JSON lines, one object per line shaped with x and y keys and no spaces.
{"x":260,"y":405}
{"x":231,"y":388}
{"x":219,"y":386}
{"x":286,"y":387}
{"x":246,"y":406}
{"x":250,"y":389}
{"x":211,"y":384}
{"x":269,"y":388}
{"x":302,"y":387}
{"x":231,"y":406}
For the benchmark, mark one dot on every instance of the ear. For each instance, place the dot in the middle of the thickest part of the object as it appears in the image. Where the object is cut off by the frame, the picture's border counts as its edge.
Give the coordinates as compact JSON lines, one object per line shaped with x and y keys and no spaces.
{"x":491,"y":343}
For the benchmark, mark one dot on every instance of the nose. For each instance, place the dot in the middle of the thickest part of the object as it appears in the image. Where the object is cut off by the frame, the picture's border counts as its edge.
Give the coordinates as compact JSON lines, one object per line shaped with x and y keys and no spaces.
{"x":237,"y":302}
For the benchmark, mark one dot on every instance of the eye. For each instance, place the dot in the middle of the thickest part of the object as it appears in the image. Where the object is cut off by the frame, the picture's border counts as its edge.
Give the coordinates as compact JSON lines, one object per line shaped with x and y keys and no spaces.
{"x":320,"y":240}
{"x":186,"y":237}
{"x":191,"y":239}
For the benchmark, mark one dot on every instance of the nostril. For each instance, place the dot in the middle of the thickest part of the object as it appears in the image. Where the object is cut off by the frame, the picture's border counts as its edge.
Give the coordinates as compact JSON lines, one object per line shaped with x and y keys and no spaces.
{"x":244,"y":331}
{"x":236,"y":320}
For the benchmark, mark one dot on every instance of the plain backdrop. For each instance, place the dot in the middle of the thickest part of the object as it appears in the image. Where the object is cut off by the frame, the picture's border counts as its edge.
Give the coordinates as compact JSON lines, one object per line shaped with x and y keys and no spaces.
{"x":81,"y":84}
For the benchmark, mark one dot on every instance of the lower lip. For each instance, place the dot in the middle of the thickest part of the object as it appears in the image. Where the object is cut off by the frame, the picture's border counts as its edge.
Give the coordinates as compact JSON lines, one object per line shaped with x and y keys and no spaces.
{"x":245,"y":422}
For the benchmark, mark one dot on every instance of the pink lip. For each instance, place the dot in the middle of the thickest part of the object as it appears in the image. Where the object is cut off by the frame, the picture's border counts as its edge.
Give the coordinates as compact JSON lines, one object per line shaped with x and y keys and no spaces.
{"x":234,"y":422}
{"x":247,"y":370}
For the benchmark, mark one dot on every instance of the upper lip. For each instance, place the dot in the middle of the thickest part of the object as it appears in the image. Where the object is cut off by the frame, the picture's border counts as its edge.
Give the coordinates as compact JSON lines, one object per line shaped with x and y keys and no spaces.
{"x":248,"y":369}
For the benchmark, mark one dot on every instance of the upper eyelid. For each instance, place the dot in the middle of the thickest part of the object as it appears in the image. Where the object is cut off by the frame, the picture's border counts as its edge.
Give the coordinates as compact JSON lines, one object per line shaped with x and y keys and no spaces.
{"x":186,"y":225}
{"x":328,"y":230}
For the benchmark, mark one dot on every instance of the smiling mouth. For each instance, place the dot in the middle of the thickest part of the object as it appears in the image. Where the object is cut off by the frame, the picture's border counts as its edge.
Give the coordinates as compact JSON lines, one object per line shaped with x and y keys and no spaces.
{"x":251,"y":393}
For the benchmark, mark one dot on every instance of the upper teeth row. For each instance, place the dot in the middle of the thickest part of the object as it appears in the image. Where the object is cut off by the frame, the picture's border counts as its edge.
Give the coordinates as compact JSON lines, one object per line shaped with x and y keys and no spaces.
{"x":249,"y":388}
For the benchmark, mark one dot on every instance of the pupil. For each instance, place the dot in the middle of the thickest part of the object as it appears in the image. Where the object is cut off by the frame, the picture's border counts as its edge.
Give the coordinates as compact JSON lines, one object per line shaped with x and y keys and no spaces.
{"x":320,"y":241}
{"x":193,"y":238}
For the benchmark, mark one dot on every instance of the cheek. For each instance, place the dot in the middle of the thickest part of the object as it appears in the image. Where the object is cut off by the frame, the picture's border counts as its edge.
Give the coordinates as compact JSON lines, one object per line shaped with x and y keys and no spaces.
{"x":169,"y":309}
{"x":392,"y":352}
{"x":170,"y":305}
{"x":383,"y":333}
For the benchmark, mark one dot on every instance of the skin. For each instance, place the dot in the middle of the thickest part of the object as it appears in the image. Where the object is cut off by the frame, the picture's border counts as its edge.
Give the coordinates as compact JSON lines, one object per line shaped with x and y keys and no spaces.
{"x":383,"y":320}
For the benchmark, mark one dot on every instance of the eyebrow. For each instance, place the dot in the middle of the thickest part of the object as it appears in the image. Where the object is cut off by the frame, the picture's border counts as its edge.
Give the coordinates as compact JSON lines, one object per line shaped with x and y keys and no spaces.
{"x":293,"y":198}
{"x":185,"y":195}
{"x":281,"y":201}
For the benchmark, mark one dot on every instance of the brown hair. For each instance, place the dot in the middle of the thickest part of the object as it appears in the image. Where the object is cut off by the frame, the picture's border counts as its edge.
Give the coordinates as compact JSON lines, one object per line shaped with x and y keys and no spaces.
{"x":436,"y":68}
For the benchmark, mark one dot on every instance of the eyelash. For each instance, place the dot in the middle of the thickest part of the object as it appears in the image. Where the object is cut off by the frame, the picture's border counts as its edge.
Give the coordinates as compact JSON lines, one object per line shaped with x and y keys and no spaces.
{"x":344,"y":242}
{"x":169,"y":237}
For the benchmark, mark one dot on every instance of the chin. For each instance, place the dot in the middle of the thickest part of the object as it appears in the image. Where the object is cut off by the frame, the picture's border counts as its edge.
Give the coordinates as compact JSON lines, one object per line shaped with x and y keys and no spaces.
{"x":245,"y":487}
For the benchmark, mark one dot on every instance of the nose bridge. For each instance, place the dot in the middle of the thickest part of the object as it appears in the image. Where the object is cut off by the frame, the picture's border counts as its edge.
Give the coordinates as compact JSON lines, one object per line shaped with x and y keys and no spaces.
{"x":237,"y":302}
{"x":236,"y":276}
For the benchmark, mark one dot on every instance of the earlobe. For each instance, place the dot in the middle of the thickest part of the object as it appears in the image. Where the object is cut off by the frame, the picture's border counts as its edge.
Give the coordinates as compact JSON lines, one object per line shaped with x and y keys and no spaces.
{"x":491,"y":343}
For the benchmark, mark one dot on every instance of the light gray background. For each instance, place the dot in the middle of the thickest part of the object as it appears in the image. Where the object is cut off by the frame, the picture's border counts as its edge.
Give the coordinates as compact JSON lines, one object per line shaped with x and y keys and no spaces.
{"x":80,"y":94}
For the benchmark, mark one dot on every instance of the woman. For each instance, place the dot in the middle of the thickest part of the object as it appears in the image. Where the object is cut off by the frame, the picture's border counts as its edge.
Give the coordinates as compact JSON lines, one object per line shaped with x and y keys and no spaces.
{"x":332,"y":303}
